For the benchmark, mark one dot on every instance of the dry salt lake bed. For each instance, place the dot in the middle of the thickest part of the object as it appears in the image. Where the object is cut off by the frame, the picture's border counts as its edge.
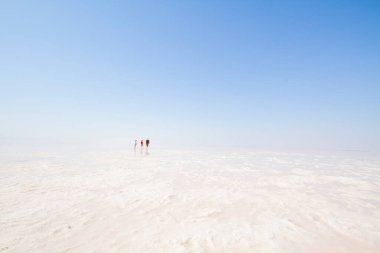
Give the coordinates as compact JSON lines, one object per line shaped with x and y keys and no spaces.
{"x":183,"y":201}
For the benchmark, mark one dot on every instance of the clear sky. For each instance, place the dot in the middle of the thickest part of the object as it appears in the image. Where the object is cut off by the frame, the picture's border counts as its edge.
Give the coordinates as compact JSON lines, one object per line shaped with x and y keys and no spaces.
{"x":262,"y":74}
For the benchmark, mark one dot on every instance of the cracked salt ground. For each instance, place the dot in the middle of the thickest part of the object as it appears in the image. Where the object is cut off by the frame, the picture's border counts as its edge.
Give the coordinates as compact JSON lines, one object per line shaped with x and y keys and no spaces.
{"x":189,"y":202}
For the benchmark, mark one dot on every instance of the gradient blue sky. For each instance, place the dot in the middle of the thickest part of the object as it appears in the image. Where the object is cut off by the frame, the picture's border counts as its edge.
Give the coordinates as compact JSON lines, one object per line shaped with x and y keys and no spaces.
{"x":262,"y":74}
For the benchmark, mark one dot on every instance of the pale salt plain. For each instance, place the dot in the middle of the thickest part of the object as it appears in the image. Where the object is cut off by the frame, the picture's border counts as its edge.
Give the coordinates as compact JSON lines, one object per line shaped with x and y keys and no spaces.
{"x":171,"y":201}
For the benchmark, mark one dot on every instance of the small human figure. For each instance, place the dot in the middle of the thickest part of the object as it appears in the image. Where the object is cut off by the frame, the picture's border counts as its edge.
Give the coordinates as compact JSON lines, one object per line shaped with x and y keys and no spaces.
{"x":147,"y":146}
{"x":135,"y":145}
{"x":142,"y":146}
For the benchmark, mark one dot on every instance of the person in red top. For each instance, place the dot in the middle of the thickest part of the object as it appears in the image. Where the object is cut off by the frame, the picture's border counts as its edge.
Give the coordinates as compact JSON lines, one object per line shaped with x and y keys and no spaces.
{"x":142,"y":143}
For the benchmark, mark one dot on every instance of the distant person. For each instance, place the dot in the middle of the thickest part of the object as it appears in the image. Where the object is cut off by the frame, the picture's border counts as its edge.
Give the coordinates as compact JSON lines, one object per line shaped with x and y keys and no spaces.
{"x":142,"y":143}
{"x":135,"y":145}
{"x":147,"y":143}
{"x":147,"y":147}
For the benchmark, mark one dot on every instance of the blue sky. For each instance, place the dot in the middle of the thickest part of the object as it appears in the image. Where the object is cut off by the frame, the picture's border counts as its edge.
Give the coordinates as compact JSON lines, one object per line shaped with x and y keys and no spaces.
{"x":261,"y":74}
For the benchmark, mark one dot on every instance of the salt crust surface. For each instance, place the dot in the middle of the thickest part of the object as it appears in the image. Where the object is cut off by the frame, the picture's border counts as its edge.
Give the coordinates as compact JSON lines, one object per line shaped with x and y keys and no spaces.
{"x":172,"y":201}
